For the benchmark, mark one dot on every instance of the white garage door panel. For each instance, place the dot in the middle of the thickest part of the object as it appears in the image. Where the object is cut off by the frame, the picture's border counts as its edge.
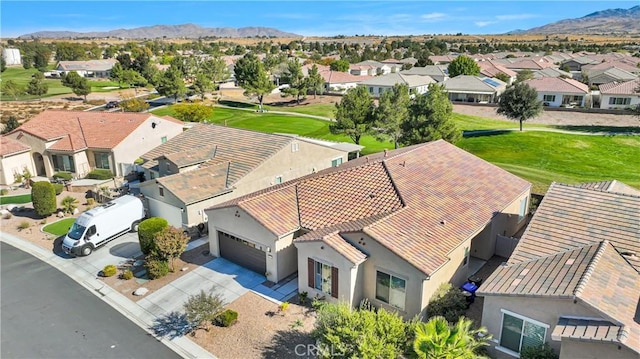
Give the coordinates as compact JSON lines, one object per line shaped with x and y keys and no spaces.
{"x":172,"y":214}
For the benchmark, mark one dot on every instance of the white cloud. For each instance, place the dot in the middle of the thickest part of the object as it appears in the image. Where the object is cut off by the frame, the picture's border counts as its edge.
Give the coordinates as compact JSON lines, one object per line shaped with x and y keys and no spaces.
{"x":434,"y":16}
{"x":516,"y":16}
{"x":484,"y":23}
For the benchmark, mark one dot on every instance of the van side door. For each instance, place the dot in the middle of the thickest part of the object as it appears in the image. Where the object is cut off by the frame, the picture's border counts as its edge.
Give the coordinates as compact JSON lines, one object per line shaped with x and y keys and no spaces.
{"x":92,"y":235}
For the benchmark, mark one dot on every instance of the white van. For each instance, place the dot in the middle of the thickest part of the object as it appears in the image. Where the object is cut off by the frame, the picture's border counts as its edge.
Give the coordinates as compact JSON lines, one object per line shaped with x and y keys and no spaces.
{"x":102,"y":224}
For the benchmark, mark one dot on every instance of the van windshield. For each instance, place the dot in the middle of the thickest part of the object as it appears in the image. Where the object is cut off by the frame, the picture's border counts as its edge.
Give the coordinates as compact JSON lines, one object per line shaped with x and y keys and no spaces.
{"x":76,"y":231}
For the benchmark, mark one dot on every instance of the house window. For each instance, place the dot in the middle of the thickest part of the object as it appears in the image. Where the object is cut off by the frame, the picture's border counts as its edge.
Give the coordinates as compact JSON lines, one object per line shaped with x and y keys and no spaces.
{"x":465,"y":261}
{"x":295,"y":147}
{"x":163,"y":139}
{"x":619,"y":101}
{"x":549,"y":98}
{"x":278,"y":180}
{"x":323,"y":277}
{"x":102,"y":160}
{"x":63,"y":163}
{"x":336,"y":162}
{"x":161,"y":191}
{"x":390,"y":289}
{"x":370,"y":89}
{"x":519,"y":332}
{"x":523,"y":209}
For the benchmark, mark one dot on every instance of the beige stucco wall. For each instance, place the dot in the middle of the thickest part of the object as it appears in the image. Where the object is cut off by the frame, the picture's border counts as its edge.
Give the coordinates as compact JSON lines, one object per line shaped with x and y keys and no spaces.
{"x":14,"y":164}
{"x":37,"y":145}
{"x":143,"y":139}
{"x":287,"y":253}
{"x":573,"y":349}
{"x":81,"y":162}
{"x":545,"y":310}
{"x":150,"y":189}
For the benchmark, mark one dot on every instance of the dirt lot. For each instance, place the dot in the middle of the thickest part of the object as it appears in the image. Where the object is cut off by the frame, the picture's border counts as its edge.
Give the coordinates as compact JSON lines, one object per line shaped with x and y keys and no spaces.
{"x":261,"y":331}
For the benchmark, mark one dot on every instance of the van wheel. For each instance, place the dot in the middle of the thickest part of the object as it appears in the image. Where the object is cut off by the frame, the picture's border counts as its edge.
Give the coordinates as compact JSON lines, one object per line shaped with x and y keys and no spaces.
{"x":87,"y":250}
{"x":134,"y":226}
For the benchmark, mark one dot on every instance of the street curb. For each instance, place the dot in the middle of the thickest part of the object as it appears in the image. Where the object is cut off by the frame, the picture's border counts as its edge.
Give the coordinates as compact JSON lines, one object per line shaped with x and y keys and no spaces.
{"x":130,"y":310}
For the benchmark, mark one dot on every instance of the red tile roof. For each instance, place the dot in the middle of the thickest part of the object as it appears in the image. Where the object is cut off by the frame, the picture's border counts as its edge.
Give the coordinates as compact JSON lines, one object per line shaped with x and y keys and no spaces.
{"x":340,"y":245}
{"x":609,"y":64}
{"x":558,"y":85}
{"x":620,"y":88}
{"x":420,"y":201}
{"x":491,"y":69}
{"x":9,"y":146}
{"x":76,"y":130}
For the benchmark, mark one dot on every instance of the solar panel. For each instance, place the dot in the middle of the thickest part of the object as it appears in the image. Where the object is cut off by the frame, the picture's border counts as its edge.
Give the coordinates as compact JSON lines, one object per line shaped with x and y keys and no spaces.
{"x":491,"y":82}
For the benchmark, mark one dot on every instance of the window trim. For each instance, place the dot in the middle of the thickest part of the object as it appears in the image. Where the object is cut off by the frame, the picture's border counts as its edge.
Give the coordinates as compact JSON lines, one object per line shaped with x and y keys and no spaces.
{"x":295,"y":146}
{"x":336,"y":159}
{"x":275,"y":179}
{"x":316,"y":283}
{"x":524,"y":215}
{"x":467,"y":255}
{"x":95,"y":159}
{"x":391,"y":275}
{"x":161,"y":191}
{"x":163,"y":139}
{"x":545,"y":99}
{"x":524,"y":319}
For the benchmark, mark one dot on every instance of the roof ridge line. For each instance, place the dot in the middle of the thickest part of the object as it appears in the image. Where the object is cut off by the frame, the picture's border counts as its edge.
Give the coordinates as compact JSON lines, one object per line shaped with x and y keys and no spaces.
{"x":598,"y":189}
{"x":586,"y":275}
{"x":550,"y":255}
{"x":393,"y":183}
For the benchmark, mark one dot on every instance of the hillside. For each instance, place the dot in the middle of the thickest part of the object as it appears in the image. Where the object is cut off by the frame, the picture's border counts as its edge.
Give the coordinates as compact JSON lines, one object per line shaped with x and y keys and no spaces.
{"x":190,"y":31}
{"x":600,"y":22}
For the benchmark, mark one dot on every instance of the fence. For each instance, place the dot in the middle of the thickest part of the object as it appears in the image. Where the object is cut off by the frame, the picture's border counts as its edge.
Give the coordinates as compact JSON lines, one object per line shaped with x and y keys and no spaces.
{"x":505,"y":245}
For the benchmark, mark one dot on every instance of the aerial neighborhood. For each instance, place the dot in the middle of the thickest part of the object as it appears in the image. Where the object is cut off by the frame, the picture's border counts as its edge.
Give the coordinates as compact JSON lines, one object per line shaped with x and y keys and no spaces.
{"x":254,"y":193}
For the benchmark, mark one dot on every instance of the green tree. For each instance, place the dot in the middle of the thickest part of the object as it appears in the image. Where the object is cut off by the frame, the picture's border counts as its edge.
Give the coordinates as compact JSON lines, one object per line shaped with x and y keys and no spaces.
{"x":133,"y":79}
{"x":169,"y":244}
{"x":524,"y":75}
{"x":116,"y":73}
{"x":37,"y":86}
{"x":354,"y":114}
{"x":194,"y":112}
{"x":134,"y":104}
{"x":11,"y":88}
{"x":171,"y":84}
{"x":253,"y":78}
{"x":43,"y":196}
{"x":315,"y":81}
{"x":69,"y":204}
{"x":538,"y":352}
{"x":203,"y":309}
{"x":448,"y":302}
{"x":463,"y":65}
{"x":202,"y":85}
{"x":78,"y":84}
{"x":503,"y":77}
{"x":437,"y":339}
{"x":392,"y":111}
{"x":520,"y":102}
{"x":10,"y":125}
{"x":430,"y":118}
{"x":3,"y":64}
{"x":339,"y":65}
{"x":295,"y":78}
{"x":147,"y":230}
{"x":215,"y":69}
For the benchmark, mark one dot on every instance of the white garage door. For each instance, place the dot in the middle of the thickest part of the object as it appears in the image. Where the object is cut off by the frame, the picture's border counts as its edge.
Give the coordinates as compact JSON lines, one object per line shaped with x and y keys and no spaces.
{"x":172,"y":214}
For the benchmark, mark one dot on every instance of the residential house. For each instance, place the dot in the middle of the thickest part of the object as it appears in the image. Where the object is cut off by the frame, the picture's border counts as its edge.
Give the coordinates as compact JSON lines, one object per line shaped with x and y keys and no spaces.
{"x":532,"y":64}
{"x":620,"y":64}
{"x":372,"y":68}
{"x":14,"y":158}
{"x":380,"y":84}
{"x":209,"y":164}
{"x":78,"y":141}
{"x":339,"y":82}
{"x":604,"y":76}
{"x":442,"y":59}
{"x":576,"y":63}
{"x":558,"y":91}
{"x":572,"y":281}
{"x":389,"y":227}
{"x":465,"y":88}
{"x":492,"y":69}
{"x":433,"y":71}
{"x":551,"y":72}
{"x":618,"y":95}
{"x":89,"y":68}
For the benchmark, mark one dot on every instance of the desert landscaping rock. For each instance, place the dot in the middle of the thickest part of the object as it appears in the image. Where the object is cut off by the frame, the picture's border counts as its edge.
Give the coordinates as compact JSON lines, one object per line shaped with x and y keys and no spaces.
{"x":141,"y":291}
{"x":184,"y":269}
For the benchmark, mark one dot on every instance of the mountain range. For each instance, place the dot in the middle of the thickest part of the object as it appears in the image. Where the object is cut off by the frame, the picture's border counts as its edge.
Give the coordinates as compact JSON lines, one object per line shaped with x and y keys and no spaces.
{"x":609,"y":21}
{"x":189,"y":31}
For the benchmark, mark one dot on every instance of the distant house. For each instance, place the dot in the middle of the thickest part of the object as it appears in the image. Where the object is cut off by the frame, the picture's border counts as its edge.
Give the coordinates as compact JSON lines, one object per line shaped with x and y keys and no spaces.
{"x":558,"y":91}
{"x":379,"y":84}
{"x":433,"y":71}
{"x":210,"y":164}
{"x":576,"y":63}
{"x":372,"y":68}
{"x":492,"y":69}
{"x":619,"y":64}
{"x":442,"y":59}
{"x":618,"y":95}
{"x":601,"y":76}
{"x":389,"y":227}
{"x":78,"y":142}
{"x":339,"y":82}
{"x":532,"y":64}
{"x":551,"y":72}
{"x":573,"y":279}
{"x":465,"y":88}
{"x":89,"y":68}
{"x":14,"y":158}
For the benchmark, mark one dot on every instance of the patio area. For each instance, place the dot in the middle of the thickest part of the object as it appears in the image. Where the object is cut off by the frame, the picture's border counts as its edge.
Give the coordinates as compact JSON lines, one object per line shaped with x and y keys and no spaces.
{"x":475,"y":309}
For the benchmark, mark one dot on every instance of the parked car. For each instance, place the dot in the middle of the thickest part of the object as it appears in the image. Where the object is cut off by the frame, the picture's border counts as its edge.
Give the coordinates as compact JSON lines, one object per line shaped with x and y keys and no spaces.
{"x":112,"y":104}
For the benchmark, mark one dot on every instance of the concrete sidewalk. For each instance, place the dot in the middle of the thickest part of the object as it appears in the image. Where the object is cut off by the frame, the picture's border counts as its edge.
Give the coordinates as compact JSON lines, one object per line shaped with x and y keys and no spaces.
{"x":143,"y":314}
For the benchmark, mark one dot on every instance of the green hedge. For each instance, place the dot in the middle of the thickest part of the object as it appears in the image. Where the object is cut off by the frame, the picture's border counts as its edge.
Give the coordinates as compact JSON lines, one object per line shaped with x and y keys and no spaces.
{"x":147,"y":231}
{"x":62,"y":175}
{"x":43,"y":196}
{"x":100,"y":174}
{"x":156,"y":268}
{"x":227,"y":318}
{"x":58,"y":187}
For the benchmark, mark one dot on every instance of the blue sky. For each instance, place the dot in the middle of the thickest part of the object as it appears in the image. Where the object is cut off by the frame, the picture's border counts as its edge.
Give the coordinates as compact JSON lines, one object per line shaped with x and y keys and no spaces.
{"x":309,"y":18}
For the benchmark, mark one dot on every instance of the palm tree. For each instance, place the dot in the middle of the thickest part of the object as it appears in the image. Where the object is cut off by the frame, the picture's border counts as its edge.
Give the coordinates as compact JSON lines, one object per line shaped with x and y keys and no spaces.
{"x":69,"y":204}
{"x":437,"y":339}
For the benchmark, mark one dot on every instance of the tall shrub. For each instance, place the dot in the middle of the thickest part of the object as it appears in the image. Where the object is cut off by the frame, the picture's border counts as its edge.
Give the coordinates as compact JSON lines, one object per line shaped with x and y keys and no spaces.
{"x":100,"y":174}
{"x":43,"y":196}
{"x":147,"y":231}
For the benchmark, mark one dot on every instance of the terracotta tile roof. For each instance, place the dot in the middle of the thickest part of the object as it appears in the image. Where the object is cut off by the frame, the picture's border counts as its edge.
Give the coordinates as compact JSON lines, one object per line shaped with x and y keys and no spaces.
{"x":351,"y":253}
{"x":585,"y":329}
{"x":336,"y":77}
{"x":558,"y":85}
{"x":9,"y":146}
{"x":491,"y":69}
{"x":620,"y":88}
{"x":243,"y":148}
{"x":76,"y":130}
{"x":278,"y":210}
{"x":611,"y":186}
{"x":570,"y":217}
{"x":528,"y":64}
{"x":192,"y":156}
{"x":198,"y":184}
{"x":609,"y":64}
{"x":400,"y":200}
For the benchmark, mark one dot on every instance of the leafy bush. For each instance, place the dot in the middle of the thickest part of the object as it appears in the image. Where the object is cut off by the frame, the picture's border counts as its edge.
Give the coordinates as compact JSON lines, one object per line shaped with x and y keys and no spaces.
{"x":24,"y":225}
{"x":448,"y":302}
{"x":65,"y":176}
{"x":147,"y":230}
{"x":202,"y":309}
{"x":541,"y":352}
{"x":69,"y":204}
{"x":100,"y":174}
{"x":4,"y":192}
{"x":109,"y":270}
{"x":156,"y":268}
{"x":91,"y":201}
{"x":227,"y":318}
{"x":283,"y":306}
{"x":58,"y":187}
{"x":43,"y":196}
{"x":127,"y":274}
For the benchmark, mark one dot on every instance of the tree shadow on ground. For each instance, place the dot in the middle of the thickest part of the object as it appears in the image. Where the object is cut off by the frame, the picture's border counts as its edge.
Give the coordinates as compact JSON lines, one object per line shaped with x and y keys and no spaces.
{"x":484,"y":133}
{"x":604,"y":129}
{"x":290,"y":343}
{"x":171,"y":325}
{"x":236,"y":104}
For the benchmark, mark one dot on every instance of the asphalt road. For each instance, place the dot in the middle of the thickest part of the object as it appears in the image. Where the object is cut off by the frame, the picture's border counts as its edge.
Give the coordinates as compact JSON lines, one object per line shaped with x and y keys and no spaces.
{"x":45,"y":314}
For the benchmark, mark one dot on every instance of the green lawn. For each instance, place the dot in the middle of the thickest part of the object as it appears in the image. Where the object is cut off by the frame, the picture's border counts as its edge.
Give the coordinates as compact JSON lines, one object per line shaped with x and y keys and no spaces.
{"x":320,"y":109}
{"x":19,"y":199}
{"x":543,"y":157}
{"x":60,"y":227}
